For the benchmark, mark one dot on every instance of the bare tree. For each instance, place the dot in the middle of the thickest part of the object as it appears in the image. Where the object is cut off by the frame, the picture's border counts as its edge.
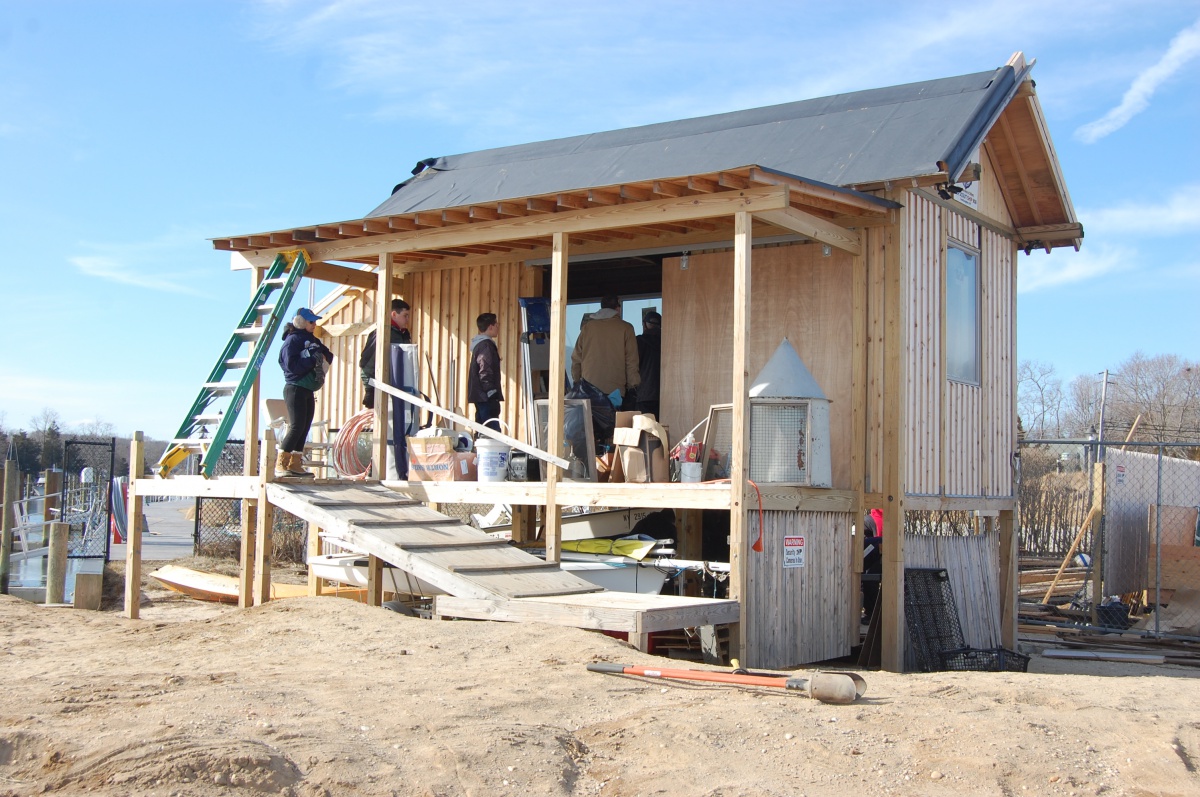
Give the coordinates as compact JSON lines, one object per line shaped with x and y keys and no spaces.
{"x":96,"y":427}
{"x":1039,"y":399}
{"x":1164,"y":390}
{"x":1082,"y":407}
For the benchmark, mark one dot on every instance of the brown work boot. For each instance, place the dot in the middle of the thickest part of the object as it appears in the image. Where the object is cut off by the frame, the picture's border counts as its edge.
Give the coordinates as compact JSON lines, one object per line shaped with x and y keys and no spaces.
{"x":296,"y":466}
{"x":283,"y":464}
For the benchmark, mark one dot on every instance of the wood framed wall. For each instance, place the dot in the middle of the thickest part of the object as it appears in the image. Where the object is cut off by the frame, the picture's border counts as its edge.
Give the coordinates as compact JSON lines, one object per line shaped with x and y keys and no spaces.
{"x":445,"y":304}
{"x":797,"y":292}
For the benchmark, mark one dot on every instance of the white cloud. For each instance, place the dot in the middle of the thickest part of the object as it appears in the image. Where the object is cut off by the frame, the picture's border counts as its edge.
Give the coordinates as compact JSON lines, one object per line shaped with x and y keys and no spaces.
{"x":1040,"y":271}
{"x":1178,"y":213}
{"x":1183,"y":48}
{"x":140,"y":264}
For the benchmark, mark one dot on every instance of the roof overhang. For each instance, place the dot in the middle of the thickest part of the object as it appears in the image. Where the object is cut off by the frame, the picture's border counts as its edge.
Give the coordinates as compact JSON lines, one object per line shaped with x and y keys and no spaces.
{"x":694,"y":208}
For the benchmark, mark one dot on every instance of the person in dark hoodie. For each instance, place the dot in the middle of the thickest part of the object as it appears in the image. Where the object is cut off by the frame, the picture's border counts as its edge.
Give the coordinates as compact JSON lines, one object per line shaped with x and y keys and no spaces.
{"x":304,"y":361}
{"x":483,"y":379}
{"x":398,"y":332}
{"x":649,"y":345}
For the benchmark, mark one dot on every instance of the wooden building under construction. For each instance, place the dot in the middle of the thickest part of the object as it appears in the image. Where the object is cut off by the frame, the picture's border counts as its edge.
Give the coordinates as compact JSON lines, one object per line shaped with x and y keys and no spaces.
{"x":877,"y":231}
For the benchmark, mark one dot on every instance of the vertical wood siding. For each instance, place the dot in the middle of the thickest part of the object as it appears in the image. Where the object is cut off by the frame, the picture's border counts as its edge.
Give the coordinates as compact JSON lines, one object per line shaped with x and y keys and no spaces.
{"x":973,"y":565}
{"x":445,"y":305}
{"x":801,"y":614}
{"x":960,"y":436}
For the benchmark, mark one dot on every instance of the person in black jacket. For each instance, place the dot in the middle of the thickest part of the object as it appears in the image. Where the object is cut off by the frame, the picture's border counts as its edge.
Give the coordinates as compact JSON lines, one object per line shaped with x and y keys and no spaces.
{"x":397,"y":332}
{"x":304,"y":361}
{"x":649,"y":345}
{"x":483,"y":378}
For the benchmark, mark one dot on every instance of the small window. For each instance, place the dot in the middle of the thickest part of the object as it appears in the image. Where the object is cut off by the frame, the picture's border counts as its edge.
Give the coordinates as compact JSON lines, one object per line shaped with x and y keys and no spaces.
{"x":962,"y":314}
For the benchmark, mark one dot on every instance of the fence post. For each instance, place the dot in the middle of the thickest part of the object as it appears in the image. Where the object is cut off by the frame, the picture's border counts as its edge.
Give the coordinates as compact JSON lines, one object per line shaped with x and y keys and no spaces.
{"x":56,"y":563}
{"x":133,"y":530}
{"x":12,"y":478}
{"x":1158,"y":545}
{"x":51,"y":500}
{"x":1098,"y":542}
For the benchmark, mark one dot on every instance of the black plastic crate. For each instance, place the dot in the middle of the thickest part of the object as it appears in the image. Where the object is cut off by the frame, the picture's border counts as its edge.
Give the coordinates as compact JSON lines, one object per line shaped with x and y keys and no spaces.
{"x":980,"y":660}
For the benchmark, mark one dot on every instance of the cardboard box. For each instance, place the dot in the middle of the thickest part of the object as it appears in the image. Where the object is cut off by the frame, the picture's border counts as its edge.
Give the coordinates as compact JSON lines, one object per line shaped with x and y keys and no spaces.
{"x":642,"y":450}
{"x":434,"y":459}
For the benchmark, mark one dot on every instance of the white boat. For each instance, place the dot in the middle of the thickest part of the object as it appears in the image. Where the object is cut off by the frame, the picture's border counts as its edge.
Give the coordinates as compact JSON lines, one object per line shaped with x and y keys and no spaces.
{"x":612,"y":572}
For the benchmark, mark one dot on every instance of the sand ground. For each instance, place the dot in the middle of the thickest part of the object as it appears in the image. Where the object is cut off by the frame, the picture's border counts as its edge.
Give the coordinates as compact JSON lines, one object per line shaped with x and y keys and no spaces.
{"x":320,"y":696}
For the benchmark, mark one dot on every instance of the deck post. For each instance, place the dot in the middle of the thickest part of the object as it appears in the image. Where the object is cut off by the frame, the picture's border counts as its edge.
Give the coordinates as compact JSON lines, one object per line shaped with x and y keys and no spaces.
{"x":12,"y":478}
{"x":740,"y":432}
{"x":554,"y":426}
{"x":383,"y":356}
{"x":250,"y":446}
{"x":895,"y":352}
{"x":1009,"y":589}
{"x":133,"y":529}
{"x":314,"y":549}
{"x":265,"y":523}
{"x":56,"y":563}
{"x":52,"y":501}
{"x":374,"y":580}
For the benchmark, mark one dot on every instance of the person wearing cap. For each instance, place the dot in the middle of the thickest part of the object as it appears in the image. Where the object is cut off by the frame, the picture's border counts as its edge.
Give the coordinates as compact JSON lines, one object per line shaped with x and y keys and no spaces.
{"x":649,"y":345}
{"x":398,"y":332}
{"x":304,"y":361}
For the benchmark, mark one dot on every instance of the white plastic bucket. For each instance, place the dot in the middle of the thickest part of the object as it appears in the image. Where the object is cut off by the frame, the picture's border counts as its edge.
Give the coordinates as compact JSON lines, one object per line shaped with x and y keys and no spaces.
{"x":690,"y":472}
{"x":493,"y":459}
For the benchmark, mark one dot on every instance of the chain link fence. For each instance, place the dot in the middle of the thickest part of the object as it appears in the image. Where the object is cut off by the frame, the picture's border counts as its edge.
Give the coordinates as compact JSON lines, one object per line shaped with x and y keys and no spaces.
{"x":1110,"y":535}
{"x":218,"y":531}
{"x":87,"y":494}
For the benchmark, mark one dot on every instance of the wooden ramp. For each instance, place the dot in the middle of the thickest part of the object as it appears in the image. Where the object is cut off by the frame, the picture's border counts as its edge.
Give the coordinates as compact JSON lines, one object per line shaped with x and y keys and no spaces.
{"x":484,"y":577}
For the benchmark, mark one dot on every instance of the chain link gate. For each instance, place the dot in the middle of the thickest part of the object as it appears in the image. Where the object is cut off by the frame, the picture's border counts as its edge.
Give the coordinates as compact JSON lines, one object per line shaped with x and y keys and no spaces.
{"x":87,"y":494}
{"x":1112,"y":531}
{"x":218,"y":529}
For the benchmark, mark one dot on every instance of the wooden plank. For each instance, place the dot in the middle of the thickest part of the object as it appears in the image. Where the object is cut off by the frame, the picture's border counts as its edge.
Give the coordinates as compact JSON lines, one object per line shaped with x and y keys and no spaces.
{"x":265,"y":524}
{"x":89,"y":589}
{"x":568,"y":493}
{"x":522,"y":566}
{"x":740,"y":427}
{"x":12,"y":481}
{"x":383,"y":310}
{"x":894,"y":454}
{"x":603,"y":611}
{"x":133,"y":529}
{"x":662,"y":211}
{"x":552,"y":512}
{"x":814,"y":227}
{"x":239,"y":487}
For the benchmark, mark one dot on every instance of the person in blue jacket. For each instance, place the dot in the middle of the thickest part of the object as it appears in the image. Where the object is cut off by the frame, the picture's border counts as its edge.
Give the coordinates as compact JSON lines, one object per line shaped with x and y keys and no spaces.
{"x":305,"y":361}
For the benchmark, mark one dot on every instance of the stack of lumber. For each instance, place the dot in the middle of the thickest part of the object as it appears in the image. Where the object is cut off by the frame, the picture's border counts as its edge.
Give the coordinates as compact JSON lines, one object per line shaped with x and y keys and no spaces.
{"x":1035,"y":582}
{"x":1128,"y":647}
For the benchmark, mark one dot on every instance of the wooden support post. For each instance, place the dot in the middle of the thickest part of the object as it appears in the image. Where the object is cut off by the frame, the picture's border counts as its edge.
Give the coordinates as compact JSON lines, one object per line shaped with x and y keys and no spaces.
{"x":554,"y":427}
{"x":250,"y":452}
{"x":895,"y":352}
{"x":12,"y":478}
{"x":133,"y":530}
{"x":383,"y":360}
{"x":739,"y":544}
{"x":1009,"y":587}
{"x":315,"y":547}
{"x":56,"y":563}
{"x":374,"y":580}
{"x":266,"y":521}
{"x":523,"y":530}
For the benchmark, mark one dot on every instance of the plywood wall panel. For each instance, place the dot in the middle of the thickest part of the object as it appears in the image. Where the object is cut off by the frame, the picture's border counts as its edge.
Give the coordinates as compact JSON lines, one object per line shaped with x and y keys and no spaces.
{"x":797,"y":293}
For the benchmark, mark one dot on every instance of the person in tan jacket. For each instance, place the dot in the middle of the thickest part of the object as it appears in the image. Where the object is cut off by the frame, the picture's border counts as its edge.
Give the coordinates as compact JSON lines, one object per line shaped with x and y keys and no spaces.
{"x":606,"y":353}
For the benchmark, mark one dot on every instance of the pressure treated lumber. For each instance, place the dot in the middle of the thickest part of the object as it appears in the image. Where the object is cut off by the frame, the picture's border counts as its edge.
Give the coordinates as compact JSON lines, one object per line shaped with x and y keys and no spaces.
{"x":133,"y":529}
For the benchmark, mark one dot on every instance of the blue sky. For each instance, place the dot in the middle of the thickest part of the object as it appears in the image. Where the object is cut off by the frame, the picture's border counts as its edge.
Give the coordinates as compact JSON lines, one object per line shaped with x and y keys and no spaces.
{"x":131,"y":132}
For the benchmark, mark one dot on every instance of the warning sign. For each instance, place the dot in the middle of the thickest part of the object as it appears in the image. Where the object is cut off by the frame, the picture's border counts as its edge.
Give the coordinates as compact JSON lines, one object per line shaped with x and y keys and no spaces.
{"x":793,"y":551}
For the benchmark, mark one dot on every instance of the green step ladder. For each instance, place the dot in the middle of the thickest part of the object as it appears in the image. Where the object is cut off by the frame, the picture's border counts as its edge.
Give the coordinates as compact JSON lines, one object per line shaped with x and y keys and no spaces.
{"x":257,"y":330}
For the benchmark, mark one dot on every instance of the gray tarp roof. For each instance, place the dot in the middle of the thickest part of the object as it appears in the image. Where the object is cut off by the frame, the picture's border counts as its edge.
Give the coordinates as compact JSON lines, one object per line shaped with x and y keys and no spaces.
{"x":843,"y":140}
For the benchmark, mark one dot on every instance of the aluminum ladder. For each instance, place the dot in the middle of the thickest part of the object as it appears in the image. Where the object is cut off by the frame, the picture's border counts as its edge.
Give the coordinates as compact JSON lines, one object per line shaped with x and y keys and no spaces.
{"x":257,"y":330}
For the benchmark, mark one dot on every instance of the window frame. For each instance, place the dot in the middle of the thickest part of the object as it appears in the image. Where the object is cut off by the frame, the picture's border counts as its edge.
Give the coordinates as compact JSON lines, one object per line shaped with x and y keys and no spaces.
{"x":950,"y":328}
